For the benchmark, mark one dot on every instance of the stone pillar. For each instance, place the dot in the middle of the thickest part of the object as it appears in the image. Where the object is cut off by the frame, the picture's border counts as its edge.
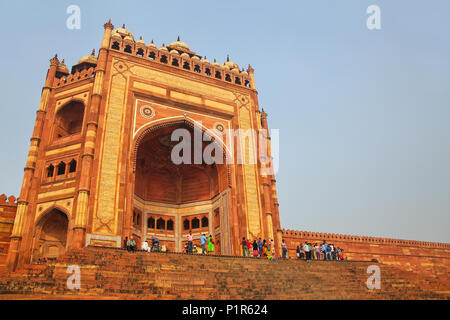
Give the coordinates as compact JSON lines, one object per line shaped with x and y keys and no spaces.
{"x":87,"y":156}
{"x":12,"y":260}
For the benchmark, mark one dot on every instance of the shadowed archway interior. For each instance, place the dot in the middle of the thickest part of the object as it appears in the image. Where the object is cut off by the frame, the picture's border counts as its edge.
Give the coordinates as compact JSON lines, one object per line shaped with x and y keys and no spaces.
{"x":51,"y":235}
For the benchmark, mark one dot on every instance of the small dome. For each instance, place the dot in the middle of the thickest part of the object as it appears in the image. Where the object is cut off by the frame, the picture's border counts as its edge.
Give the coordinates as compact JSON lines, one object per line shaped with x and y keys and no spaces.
{"x":215,"y":63}
{"x":123,"y":32}
{"x":235,"y":70}
{"x":196,"y":58}
{"x":244,"y":72}
{"x":205,"y":60}
{"x":116,"y":35}
{"x":90,"y":59}
{"x":230,"y":65}
{"x":179,"y":44}
{"x":151,"y":44}
{"x":174,"y":52}
{"x":140,"y":41}
{"x":185,"y":55}
{"x":163,"y":48}
{"x":129,"y":38}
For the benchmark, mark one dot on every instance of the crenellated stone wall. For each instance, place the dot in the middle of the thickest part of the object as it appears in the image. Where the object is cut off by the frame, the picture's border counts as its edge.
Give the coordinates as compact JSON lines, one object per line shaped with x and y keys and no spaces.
{"x":8,"y":208}
{"x":427,"y":258}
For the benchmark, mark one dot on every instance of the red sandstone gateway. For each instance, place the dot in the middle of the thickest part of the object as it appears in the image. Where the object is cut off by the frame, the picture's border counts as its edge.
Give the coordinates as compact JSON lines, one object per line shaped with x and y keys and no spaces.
{"x":99,"y":170}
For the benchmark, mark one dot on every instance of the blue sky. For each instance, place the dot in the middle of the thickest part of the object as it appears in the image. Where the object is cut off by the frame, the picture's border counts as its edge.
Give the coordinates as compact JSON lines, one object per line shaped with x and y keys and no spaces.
{"x":363,"y":115}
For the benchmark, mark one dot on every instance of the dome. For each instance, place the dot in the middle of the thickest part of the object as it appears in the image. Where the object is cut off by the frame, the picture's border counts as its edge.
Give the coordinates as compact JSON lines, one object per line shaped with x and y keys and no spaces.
{"x":230,"y":65}
{"x":163,"y":48}
{"x":196,"y":58}
{"x":215,"y":63}
{"x":151,"y":44}
{"x":244,"y":72}
{"x":185,"y":55}
{"x":205,"y":60}
{"x":122,"y":32}
{"x":89,"y":59}
{"x":116,"y":35}
{"x":174,"y":51}
{"x":179,"y":44}
{"x":129,"y":38}
{"x":140,"y":41}
{"x":235,"y":70}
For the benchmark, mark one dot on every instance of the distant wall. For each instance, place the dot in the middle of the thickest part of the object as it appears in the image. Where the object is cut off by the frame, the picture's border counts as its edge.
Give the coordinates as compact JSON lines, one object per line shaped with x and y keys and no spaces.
{"x":8,"y":208}
{"x":427,"y":258}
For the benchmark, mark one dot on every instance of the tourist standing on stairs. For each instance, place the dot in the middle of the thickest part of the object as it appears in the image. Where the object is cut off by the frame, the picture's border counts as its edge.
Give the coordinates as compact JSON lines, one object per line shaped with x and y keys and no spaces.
{"x":203,"y":243}
{"x":284,"y":249}
{"x":302,"y":252}
{"x":324,"y":249}
{"x":210,"y":245}
{"x":307,"y":252}
{"x":255,"y":249}
{"x":272,"y":247}
{"x":190,"y":238}
{"x":244,"y":247}
{"x":131,"y":244}
{"x":333,"y":252}
{"x":260,"y":246}
{"x":264,"y":249}
{"x":317,"y":249}
{"x":328,"y":252}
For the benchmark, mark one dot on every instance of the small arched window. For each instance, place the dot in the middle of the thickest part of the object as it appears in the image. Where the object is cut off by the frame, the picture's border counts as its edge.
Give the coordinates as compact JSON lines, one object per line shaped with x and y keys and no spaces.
{"x":115,"y":45}
{"x":170,"y":225}
{"x":186,"y":66}
{"x":134,"y":217}
{"x":69,"y":119}
{"x":227,"y":78}
{"x":50,"y":171}
{"x":163,"y":59}
{"x":175,"y":62}
{"x":208,"y":71}
{"x":151,"y":223}
{"x":195,"y":223}
{"x":138,"y":219}
{"x":160,"y":224}
{"x":140,"y":52}
{"x":197,"y":68}
{"x":204,"y":222}
{"x":152,"y":55}
{"x":186,"y":224}
{"x":237,"y":81}
{"x":61,"y":169}
{"x":72,"y":166}
{"x":218,"y":76}
{"x":127,"y":49}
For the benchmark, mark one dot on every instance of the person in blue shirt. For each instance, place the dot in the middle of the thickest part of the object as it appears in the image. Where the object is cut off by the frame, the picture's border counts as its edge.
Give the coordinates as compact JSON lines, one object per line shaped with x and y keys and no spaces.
{"x":203,"y":243}
{"x":260,"y":245}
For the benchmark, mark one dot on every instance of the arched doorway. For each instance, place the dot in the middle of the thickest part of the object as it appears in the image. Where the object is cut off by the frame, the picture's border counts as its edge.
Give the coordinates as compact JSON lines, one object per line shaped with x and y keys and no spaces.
{"x":51,"y":235}
{"x":177,"y":198}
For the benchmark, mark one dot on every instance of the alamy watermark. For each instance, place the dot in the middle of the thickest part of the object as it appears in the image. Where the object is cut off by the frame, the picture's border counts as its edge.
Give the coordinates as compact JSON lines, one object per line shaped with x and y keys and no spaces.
{"x":374,"y":281}
{"x":73,"y":22}
{"x":374,"y":20}
{"x":74,"y":280}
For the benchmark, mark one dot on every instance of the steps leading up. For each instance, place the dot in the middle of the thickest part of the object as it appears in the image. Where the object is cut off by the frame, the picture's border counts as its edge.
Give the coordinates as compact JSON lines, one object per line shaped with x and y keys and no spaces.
{"x":113,"y":273}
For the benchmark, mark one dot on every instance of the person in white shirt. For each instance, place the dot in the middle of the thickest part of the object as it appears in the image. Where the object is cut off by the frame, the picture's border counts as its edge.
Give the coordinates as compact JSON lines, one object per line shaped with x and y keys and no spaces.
{"x":306,"y":249}
{"x":145,"y":246}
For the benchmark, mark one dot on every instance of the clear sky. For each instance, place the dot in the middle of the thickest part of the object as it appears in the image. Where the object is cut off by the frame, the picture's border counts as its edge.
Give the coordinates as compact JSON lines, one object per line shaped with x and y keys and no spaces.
{"x":364,"y":115}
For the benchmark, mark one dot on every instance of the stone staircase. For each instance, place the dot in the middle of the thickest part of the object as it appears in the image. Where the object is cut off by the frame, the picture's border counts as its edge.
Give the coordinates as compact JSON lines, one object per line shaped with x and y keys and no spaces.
{"x":117,"y":274}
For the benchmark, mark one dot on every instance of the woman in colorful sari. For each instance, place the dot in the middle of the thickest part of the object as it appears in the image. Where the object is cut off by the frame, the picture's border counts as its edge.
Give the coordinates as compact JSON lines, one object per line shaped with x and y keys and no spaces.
{"x":264,"y":249}
{"x":210,"y":245}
